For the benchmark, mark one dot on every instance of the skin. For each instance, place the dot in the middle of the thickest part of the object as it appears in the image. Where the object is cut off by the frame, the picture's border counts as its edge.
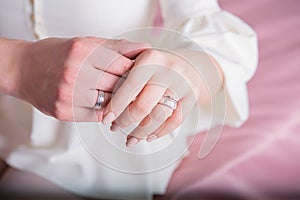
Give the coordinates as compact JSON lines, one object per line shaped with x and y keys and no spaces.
{"x":157,"y":73}
{"x":60,"y":77}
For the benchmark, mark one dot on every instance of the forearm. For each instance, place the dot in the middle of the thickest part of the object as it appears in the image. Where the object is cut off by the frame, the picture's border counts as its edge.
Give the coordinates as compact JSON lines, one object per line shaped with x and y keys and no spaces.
{"x":11,"y":56}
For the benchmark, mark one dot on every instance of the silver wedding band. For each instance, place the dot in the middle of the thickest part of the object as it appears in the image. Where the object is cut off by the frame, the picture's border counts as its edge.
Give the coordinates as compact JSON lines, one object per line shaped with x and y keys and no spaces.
{"x":169,"y":102}
{"x":100,"y":100}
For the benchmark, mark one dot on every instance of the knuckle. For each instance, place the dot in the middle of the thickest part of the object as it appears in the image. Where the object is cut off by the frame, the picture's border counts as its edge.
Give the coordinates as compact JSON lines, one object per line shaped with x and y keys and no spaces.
{"x":118,"y":44}
{"x":154,"y":56}
{"x":76,"y":43}
{"x":60,"y":112}
{"x":123,"y":64}
{"x":122,"y":42}
{"x":151,"y":53}
{"x":92,"y":38}
{"x":63,"y":95}
{"x":76,"y":52}
{"x":69,"y":75}
{"x":79,"y":45}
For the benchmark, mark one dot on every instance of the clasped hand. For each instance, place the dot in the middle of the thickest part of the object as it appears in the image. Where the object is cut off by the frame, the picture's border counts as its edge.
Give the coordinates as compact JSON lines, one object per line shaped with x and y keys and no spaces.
{"x":157,"y":78}
{"x":63,"y":77}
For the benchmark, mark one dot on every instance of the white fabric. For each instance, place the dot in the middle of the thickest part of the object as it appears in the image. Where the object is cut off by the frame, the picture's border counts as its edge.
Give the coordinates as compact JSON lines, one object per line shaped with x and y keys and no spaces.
{"x":31,"y":141}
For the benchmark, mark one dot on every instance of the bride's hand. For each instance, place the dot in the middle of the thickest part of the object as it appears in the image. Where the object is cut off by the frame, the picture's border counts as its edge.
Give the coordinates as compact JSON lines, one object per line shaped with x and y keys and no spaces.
{"x":159,"y":92}
{"x":62,"y":77}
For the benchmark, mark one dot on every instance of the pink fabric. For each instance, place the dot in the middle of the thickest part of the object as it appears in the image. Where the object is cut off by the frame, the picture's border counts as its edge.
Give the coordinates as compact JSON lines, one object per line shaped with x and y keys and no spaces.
{"x":261,"y":159}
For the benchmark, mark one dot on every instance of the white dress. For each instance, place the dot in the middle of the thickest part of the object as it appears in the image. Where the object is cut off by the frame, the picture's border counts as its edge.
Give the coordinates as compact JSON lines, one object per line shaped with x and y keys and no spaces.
{"x":86,"y":158}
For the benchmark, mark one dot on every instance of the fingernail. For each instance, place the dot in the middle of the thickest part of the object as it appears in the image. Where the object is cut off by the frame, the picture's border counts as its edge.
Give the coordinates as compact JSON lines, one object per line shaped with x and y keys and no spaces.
{"x":151,"y":138}
{"x":114,"y":127}
{"x":131,"y":142}
{"x":108,"y":118}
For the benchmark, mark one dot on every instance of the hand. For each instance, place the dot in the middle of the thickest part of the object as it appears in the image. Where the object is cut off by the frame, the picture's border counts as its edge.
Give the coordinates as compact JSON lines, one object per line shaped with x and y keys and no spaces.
{"x":155,"y":75}
{"x":61,"y":77}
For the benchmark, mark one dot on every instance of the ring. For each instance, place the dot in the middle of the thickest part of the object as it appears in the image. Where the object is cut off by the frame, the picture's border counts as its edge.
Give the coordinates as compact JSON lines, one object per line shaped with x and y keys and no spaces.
{"x":100,"y":100}
{"x":169,"y":102}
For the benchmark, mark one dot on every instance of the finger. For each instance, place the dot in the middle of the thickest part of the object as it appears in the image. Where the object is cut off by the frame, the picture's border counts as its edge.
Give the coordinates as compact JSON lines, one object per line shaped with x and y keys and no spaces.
{"x":131,"y":141}
{"x":108,"y":82}
{"x":127,"y":48}
{"x":108,"y":60}
{"x":82,"y":114}
{"x":87,"y":98}
{"x":184,"y":107}
{"x":141,"y":107}
{"x":128,"y":91}
{"x":73,"y":113}
{"x":150,"y":123}
{"x":92,"y":78}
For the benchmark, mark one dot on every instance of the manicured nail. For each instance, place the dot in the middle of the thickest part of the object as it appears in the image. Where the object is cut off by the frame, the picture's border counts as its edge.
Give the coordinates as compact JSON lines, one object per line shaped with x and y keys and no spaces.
{"x":131,"y":142}
{"x":151,"y":138}
{"x":114,"y":127}
{"x":108,"y":118}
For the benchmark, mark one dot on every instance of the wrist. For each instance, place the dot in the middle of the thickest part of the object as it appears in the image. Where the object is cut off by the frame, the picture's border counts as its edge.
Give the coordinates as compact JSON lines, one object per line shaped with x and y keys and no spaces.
{"x":12,"y":61}
{"x":210,"y":76}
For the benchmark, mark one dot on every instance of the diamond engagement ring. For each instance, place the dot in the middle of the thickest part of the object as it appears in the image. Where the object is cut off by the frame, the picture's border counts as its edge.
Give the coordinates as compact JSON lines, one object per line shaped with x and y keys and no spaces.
{"x":100,"y":100}
{"x":169,"y":102}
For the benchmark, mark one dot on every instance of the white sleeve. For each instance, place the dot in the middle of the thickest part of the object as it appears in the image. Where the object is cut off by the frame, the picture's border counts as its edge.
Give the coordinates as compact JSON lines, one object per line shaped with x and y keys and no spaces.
{"x":228,"y":39}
